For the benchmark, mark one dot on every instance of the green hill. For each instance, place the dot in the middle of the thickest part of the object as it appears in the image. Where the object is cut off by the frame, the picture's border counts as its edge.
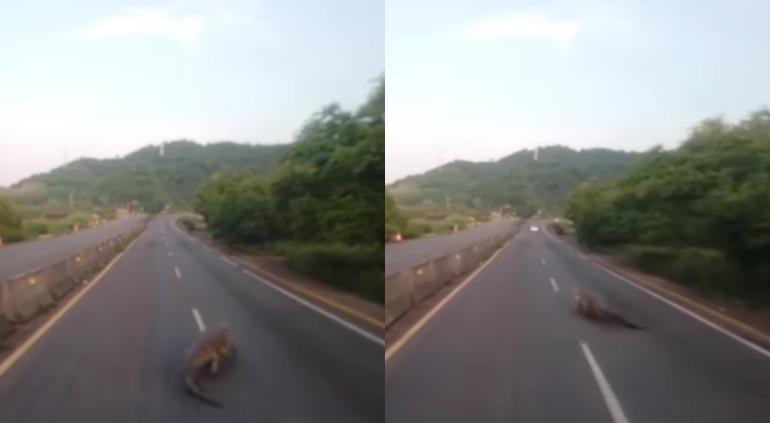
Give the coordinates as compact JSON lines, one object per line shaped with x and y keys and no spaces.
{"x":517,"y":180}
{"x":144,"y":176}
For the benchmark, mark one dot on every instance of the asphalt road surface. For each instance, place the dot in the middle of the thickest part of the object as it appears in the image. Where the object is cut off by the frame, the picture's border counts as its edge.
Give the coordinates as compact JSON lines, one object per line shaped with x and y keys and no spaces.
{"x":403,"y":255}
{"x":510,"y":348}
{"x":116,"y":356}
{"x":25,"y":256}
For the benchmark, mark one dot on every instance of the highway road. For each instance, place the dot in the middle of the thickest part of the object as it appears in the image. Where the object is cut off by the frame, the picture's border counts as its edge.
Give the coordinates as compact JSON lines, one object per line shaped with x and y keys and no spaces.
{"x":25,"y":256}
{"x":116,"y":355}
{"x":508,"y":347}
{"x":403,"y":255}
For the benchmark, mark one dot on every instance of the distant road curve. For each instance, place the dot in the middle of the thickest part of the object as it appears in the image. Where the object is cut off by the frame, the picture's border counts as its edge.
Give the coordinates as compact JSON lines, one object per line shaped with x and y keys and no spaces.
{"x":403,"y":255}
{"x":25,"y":256}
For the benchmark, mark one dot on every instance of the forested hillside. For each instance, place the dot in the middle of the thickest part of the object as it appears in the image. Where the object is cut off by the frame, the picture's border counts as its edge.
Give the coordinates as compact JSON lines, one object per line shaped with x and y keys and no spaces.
{"x":146,"y":176}
{"x":699,"y":213}
{"x":519,"y":180}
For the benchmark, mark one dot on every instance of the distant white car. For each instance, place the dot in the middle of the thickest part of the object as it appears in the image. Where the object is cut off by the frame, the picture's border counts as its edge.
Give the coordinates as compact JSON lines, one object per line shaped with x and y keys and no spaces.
{"x":534,"y":228}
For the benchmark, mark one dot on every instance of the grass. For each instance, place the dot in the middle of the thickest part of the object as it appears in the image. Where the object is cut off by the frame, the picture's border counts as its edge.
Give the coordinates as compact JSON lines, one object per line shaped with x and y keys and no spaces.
{"x":706,"y":270}
{"x":437,"y":225}
{"x":357,"y":269}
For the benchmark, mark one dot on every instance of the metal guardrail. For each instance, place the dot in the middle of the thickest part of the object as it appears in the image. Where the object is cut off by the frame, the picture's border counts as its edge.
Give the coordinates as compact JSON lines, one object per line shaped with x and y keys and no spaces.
{"x":26,"y":295}
{"x":409,"y":287}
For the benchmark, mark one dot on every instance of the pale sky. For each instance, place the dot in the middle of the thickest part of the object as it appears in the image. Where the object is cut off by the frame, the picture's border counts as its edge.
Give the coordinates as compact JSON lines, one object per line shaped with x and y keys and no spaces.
{"x":104,"y":78}
{"x":478,"y":80}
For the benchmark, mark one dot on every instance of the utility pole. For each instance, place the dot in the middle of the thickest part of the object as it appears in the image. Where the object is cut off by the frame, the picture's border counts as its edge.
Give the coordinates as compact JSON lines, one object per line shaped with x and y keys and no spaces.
{"x":162,"y":149}
{"x":536,"y":150}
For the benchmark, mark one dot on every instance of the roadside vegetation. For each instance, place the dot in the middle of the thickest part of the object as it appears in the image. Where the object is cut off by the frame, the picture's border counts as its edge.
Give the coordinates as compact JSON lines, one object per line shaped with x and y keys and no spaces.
{"x":429,"y":219}
{"x":395,"y":221}
{"x":698,"y":214}
{"x":423,"y":221}
{"x":322,"y":207}
{"x":17,"y":226}
{"x":10,"y":223}
{"x":21,"y":222}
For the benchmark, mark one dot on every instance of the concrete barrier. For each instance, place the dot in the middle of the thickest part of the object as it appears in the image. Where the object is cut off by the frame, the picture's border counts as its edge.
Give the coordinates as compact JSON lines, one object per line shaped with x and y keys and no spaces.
{"x":405,"y":289}
{"x":5,"y":325}
{"x":61,"y":282}
{"x":398,"y":295}
{"x":24,"y":296}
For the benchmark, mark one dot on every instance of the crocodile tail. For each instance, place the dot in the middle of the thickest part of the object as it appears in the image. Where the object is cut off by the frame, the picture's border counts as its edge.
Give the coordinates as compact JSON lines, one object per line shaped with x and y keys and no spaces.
{"x":623,"y":321}
{"x":630,"y":324}
{"x":194,"y":390}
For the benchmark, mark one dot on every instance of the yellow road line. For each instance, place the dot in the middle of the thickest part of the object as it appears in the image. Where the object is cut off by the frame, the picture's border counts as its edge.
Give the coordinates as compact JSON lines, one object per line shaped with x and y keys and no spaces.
{"x":389,"y":352}
{"x":24,"y":347}
{"x":331,"y":303}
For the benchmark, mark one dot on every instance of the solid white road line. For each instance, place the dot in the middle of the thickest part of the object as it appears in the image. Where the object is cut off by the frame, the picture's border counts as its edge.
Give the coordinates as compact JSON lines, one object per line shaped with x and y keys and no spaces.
{"x":318,"y":310}
{"x":198,"y":320}
{"x":542,"y":261}
{"x":228,"y":261}
{"x":609,"y":397}
{"x":553,"y":284}
{"x":307,"y":304}
{"x":170,"y":253}
{"x":692,"y":314}
{"x":178,"y":273}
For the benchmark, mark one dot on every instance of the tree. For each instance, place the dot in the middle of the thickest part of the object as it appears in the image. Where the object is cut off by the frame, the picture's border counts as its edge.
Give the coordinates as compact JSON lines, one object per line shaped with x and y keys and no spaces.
{"x":327,"y":188}
{"x":10,"y":223}
{"x":394,"y":221}
{"x":238,"y":208}
{"x":330,"y":182}
{"x":712,"y":193}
